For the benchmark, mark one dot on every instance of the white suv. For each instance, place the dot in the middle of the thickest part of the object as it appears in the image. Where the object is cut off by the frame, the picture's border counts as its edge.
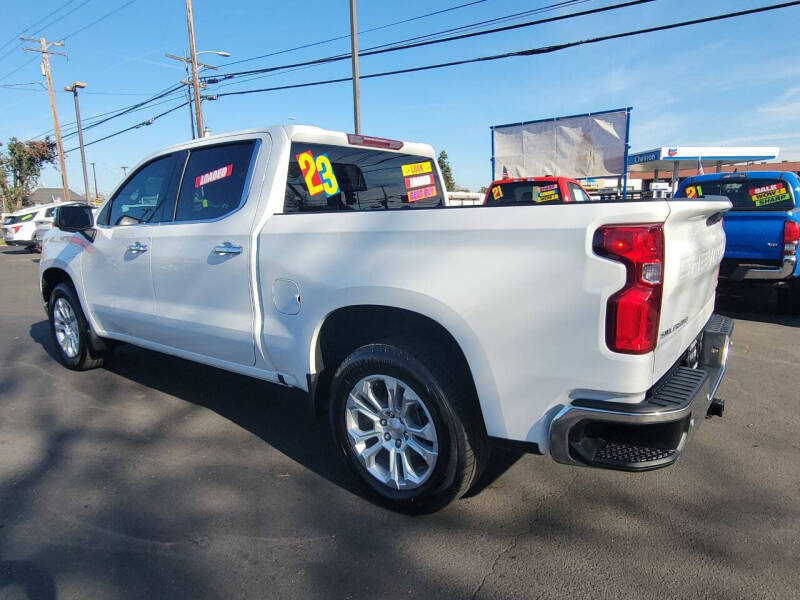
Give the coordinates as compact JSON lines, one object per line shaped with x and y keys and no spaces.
{"x":20,"y":228}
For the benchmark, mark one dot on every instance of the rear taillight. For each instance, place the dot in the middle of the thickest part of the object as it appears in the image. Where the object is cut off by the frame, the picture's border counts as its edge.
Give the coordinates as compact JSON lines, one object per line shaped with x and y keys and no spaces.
{"x":16,"y":228}
{"x":791,"y":235}
{"x":633,"y":312}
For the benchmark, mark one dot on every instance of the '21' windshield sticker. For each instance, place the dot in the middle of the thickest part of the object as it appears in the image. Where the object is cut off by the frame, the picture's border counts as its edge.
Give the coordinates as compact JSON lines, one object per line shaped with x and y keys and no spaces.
{"x":497,"y":192}
{"x":694,"y":191}
{"x":417,"y":168}
{"x":317,"y":173}
{"x":213,"y":176}
{"x":769,"y":194}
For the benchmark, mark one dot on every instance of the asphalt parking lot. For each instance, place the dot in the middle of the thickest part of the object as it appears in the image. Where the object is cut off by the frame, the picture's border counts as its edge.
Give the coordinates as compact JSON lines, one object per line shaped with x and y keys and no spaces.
{"x":159,"y":478}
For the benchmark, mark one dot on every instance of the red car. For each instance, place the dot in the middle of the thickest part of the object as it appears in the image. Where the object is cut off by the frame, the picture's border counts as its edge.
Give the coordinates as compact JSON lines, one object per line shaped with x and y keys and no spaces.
{"x":537,"y":190}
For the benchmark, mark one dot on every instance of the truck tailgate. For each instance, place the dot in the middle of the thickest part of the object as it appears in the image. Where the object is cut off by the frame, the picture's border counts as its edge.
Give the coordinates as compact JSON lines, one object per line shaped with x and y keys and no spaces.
{"x":755,"y":236}
{"x":694,"y":243}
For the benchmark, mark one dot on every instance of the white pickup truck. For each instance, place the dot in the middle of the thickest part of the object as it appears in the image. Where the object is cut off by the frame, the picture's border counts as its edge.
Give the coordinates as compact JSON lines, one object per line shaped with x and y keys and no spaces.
{"x":329,"y":262}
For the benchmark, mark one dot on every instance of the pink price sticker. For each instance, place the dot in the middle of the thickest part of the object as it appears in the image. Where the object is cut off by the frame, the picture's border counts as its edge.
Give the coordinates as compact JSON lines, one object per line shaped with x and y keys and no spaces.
{"x":421,"y":193}
{"x":547,"y":188}
{"x":213,"y":176}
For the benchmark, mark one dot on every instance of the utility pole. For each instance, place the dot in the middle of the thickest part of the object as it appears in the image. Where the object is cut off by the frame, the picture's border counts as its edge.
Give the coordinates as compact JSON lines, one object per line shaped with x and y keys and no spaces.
{"x":94,"y":173}
{"x":124,"y":171}
{"x":193,"y":55}
{"x":74,"y":89}
{"x":354,"y":51}
{"x":188,"y":93}
{"x":45,"y":52}
{"x":189,"y":83}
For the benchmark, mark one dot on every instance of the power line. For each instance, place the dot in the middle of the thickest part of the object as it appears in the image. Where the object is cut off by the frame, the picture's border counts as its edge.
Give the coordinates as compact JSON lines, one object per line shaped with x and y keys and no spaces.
{"x":430,"y":35}
{"x":370,"y":51}
{"x":149,"y":121}
{"x":53,"y":22}
{"x":344,"y":37}
{"x":117,"y":112}
{"x":47,"y":16}
{"x":530,"y":51}
{"x":503,"y":19}
{"x":96,"y":21}
{"x":166,"y":100}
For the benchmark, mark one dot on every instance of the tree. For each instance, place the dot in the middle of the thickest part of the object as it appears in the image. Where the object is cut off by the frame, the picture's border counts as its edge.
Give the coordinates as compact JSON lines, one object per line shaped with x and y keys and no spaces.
{"x":447,"y":172}
{"x":20,"y":167}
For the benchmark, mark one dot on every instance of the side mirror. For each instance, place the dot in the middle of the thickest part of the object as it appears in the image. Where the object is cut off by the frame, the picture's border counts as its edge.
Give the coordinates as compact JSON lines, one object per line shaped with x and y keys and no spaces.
{"x":76,"y":218}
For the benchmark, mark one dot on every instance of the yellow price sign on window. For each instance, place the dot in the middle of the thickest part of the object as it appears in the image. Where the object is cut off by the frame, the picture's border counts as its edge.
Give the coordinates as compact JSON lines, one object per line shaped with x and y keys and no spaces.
{"x":417,"y":168}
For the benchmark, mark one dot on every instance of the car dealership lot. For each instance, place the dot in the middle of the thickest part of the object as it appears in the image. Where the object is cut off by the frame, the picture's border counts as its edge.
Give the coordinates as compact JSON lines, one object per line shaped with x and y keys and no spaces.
{"x":156,"y":477}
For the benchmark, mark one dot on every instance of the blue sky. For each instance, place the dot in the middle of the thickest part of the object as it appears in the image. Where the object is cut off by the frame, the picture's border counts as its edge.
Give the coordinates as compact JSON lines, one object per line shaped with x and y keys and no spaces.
{"x":732,"y":82}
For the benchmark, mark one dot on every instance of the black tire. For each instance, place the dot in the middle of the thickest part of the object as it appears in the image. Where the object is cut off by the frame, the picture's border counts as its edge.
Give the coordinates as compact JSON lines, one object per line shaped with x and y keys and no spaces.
{"x":450,"y":399}
{"x":790,"y":298}
{"x":87,"y":357}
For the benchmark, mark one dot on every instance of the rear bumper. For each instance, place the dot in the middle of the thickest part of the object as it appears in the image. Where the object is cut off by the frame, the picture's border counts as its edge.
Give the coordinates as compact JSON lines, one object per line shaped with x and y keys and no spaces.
{"x":653,"y":433}
{"x":785,"y":271}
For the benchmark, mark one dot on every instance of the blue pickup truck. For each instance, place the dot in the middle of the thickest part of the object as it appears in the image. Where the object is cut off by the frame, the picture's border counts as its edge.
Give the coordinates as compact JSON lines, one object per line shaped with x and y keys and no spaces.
{"x":762,"y":228}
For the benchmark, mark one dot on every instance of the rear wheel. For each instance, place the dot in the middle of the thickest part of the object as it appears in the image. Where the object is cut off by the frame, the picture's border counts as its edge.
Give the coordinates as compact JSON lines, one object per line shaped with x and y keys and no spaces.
{"x":408,"y":425}
{"x":790,"y":297}
{"x":70,"y":330}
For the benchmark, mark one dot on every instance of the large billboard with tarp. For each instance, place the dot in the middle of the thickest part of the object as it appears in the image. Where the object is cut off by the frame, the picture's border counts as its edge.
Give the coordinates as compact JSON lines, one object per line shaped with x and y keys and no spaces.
{"x":579,"y":146}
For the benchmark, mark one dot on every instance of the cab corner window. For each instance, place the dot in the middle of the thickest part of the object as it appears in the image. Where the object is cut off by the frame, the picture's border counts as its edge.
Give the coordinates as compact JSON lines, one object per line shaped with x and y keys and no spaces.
{"x":324,"y":177}
{"x":214,"y":181}
{"x":141,"y":196}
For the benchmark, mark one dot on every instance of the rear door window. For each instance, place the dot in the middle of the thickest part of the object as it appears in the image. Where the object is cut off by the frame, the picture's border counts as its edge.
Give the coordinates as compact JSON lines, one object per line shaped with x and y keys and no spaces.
{"x":525,"y":192}
{"x":323,"y":177}
{"x":214,"y":181}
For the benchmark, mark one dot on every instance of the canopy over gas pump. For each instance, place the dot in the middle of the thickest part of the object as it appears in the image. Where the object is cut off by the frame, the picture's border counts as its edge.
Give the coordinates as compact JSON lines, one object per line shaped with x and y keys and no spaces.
{"x":675,"y":158}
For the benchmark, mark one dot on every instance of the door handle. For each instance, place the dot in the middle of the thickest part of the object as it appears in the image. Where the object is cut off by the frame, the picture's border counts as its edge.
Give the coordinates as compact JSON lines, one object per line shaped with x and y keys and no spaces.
{"x":227,"y":248}
{"x":137,"y":248}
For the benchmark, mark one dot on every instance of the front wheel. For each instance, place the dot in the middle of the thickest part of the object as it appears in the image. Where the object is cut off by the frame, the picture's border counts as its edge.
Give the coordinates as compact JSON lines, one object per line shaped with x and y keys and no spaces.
{"x":407,"y":422}
{"x":71,"y":331}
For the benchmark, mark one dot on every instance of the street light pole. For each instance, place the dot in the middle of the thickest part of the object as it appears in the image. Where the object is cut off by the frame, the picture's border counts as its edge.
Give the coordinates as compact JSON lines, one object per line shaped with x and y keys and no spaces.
{"x":74,"y":89}
{"x":94,"y":173}
{"x":354,"y":51}
{"x":124,"y":171}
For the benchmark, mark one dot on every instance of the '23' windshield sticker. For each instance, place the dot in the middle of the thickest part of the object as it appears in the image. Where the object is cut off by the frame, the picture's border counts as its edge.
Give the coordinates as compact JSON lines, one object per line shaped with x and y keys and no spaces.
{"x":318,"y":173}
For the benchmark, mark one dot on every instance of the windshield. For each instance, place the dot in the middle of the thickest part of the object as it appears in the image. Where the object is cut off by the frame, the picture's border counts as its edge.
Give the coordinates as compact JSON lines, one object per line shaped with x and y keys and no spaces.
{"x":746,"y":194}
{"x":524,"y":192}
